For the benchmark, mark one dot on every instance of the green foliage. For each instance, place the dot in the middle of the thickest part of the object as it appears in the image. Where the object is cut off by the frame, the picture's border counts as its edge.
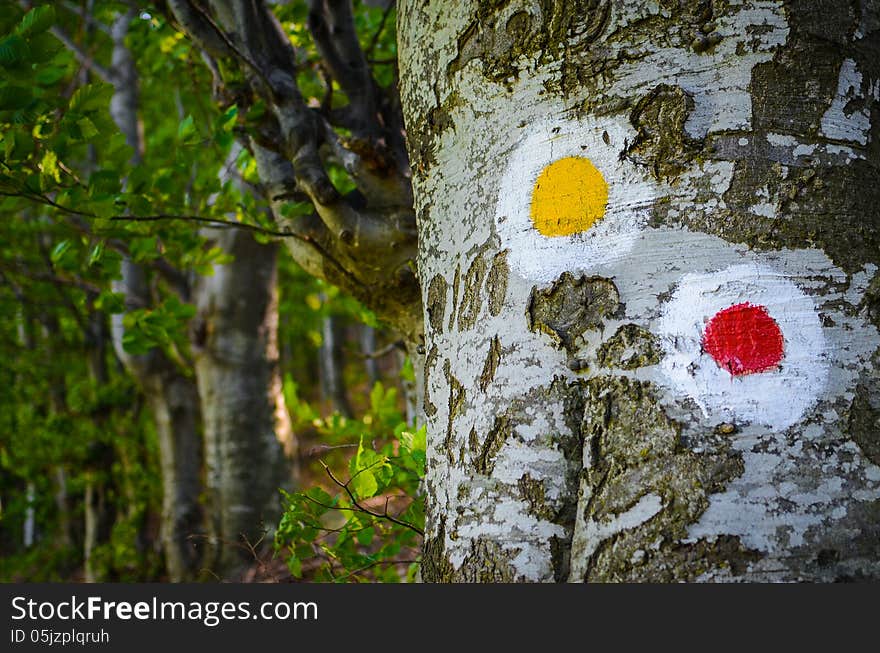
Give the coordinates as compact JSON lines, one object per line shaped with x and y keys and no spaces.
{"x":76,"y":199}
{"x":367,"y":523}
{"x":162,"y":326}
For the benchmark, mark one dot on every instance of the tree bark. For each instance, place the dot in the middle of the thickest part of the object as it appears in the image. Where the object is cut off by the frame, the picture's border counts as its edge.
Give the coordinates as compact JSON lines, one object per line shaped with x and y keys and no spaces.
{"x":648,"y":248}
{"x":332,"y":365}
{"x":368,"y":348}
{"x":247,"y":427}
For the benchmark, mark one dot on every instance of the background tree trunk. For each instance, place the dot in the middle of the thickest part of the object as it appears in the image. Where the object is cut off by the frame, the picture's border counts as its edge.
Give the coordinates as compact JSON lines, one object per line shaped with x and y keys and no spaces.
{"x":171,"y":395}
{"x":332,"y":365}
{"x":724,"y":158}
{"x":173,"y":400}
{"x":247,"y":427}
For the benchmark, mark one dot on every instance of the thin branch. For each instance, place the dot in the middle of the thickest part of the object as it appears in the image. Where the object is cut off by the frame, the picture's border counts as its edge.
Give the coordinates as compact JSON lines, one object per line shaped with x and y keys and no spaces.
{"x":332,"y":27}
{"x":354,"y":572}
{"x":87,"y":17}
{"x":82,"y":56}
{"x":204,"y":34}
{"x":217,"y":222}
{"x":379,"y":353}
{"x":214,"y":222}
{"x":357,"y":504}
{"x":220,"y":34}
{"x":375,"y":40}
{"x":319,"y":448}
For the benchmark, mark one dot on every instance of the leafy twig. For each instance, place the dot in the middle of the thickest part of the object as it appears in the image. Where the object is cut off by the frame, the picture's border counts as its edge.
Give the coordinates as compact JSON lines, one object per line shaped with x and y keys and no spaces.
{"x":361,"y":508}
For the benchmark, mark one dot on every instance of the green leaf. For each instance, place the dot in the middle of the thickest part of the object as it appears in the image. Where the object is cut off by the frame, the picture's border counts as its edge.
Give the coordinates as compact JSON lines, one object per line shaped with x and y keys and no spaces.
{"x":49,"y":166}
{"x":110,"y":302}
{"x":13,"y":98}
{"x":50,"y":75}
{"x":59,"y":251}
{"x":87,"y":128}
{"x":227,"y":121}
{"x":294,"y":564}
{"x":13,"y":50}
{"x":44,"y":47}
{"x":37,"y":20}
{"x":135,"y":343}
{"x":365,"y":537}
{"x":104,"y":182}
{"x":91,"y":97}
{"x":18,"y":144}
{"x":104,"y":207}
{"x":96,"y":254}
{"x":364,"y":484}
{"x":186,"y":129}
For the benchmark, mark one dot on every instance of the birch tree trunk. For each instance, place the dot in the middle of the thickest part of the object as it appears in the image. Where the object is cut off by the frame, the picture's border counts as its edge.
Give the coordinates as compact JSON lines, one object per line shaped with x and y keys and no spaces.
{"x":246,"y":424}
{"x":648,"y":248}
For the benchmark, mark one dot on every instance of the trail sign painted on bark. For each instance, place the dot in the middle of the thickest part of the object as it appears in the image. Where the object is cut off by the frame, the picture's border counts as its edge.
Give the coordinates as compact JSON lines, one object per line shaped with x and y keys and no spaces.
{"x":744,"y":339}
{"x":569,"y":197}
{"x":745,"y":344}
{"x":567,"y":201}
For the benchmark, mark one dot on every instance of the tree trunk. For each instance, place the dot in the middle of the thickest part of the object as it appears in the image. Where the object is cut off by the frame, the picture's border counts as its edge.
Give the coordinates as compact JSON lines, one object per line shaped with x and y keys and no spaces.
{"x":332,"y":365}
{"x":247,"y":427}
{"x":29,"y":529}
{"x":174,"y":403}
{"x":171,"y":395}
{"x":649,"y":248}
{"x":93,"y":507}
{"x":368,"y":349}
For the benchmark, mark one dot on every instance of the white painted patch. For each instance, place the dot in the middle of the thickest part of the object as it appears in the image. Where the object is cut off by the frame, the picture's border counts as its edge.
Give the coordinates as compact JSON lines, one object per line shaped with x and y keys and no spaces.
{"x":630,"y":195}
{"x":837,"y":123}
{"x":774,"y":398}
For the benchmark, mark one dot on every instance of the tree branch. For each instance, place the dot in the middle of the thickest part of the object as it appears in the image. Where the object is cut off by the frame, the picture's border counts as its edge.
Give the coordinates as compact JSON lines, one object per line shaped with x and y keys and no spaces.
{"x":85,"y":15}
{"x":82,"y":56}
{"x":367,"y":511}
{"x":332,"y":26}
{"x":201,"y":29}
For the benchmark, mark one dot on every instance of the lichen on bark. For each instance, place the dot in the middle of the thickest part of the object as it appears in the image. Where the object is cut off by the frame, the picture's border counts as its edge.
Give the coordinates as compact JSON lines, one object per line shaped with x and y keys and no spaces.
{"x":634,"y":452}
{"x":435,"y":304}
{"x":457,"y":397}
{"x":661,"y":143}
{"x":493,"y":358}
{"x":629,"y":348}
{"x":864,"y":414}
{"x":471,"y":301}
{"x":486,"y":562}
{"x":570,"y":307}
{"x":496,"y":283}
{"x":504,"y":31}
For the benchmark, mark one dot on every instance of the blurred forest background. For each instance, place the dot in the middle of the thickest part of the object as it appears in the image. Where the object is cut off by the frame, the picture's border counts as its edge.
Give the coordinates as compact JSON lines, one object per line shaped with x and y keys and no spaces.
{"x":178,"y":399}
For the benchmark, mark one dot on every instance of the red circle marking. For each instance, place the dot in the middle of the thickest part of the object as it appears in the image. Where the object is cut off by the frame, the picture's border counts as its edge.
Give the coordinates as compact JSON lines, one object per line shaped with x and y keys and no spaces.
{"x":744,"y":339}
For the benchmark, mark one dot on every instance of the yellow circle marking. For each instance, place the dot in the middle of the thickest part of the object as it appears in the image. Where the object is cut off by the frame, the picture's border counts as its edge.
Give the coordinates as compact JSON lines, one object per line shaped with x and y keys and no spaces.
{"x":569,"y":197}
